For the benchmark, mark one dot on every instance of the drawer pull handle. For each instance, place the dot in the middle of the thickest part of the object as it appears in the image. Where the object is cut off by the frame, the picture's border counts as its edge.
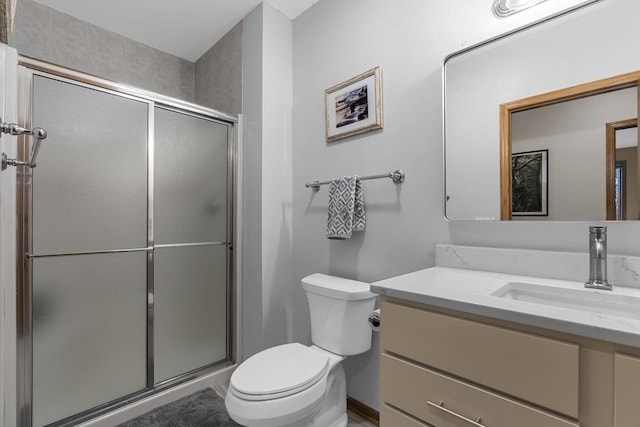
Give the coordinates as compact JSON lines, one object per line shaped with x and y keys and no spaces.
{"x":440,"y":406}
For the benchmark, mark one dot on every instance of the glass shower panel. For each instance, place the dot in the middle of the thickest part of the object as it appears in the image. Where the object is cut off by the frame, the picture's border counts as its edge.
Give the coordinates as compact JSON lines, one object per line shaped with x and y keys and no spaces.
{"x":98,"y":336}
{"x":191,"y":161}
{"x":89,"y":332}
{"x":90,"y":185}
{"x":190,"y":308}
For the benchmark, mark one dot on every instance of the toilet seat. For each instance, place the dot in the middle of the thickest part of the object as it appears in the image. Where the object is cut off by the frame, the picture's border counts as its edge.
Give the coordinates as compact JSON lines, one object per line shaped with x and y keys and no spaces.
{"x":278,"y":372}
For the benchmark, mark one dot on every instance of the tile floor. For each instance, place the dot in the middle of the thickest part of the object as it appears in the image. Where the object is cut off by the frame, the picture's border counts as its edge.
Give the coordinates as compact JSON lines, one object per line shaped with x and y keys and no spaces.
{"x":354,"y":420}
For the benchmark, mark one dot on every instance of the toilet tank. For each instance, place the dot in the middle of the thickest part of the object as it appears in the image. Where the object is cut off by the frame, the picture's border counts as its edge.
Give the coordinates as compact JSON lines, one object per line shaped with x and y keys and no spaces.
{"x":339,"y":310}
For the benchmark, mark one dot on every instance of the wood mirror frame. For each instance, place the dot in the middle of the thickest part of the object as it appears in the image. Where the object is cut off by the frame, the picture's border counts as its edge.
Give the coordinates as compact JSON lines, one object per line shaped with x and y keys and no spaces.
{"x":597,"y":87}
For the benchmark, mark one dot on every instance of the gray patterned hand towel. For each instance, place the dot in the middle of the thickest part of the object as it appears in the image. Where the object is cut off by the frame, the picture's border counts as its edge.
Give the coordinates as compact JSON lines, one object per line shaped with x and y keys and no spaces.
{"x":346,"y":208}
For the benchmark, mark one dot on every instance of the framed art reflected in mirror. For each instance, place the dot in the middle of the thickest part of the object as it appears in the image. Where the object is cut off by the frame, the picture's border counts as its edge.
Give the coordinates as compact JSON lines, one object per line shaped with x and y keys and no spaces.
{"x":529,"y":183}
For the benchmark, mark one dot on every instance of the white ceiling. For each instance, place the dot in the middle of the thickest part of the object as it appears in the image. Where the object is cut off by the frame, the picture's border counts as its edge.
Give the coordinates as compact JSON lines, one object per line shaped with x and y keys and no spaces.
{"x":184,"y":28}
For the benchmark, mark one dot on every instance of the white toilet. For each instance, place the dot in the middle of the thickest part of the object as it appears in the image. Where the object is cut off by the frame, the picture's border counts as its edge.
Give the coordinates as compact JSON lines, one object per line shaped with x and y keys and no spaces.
{"x":293,"y":385}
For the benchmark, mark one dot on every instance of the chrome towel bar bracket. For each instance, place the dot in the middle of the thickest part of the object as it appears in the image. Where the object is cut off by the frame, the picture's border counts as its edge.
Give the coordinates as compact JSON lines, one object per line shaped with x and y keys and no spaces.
{"x":396,"y":176}
{"x":38,"y":135}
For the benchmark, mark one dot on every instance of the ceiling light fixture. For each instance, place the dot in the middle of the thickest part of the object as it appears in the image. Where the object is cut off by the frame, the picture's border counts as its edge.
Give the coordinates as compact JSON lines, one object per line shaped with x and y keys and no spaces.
{"x":504,"y":8}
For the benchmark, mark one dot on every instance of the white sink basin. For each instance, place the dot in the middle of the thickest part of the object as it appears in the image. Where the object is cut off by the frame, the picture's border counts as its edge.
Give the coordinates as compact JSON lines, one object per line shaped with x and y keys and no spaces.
{"x":589,"y":300}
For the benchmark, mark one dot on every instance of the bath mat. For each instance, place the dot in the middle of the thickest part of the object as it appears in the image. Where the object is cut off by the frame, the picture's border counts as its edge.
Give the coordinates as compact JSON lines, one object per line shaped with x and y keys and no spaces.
{"x":201,"y":409}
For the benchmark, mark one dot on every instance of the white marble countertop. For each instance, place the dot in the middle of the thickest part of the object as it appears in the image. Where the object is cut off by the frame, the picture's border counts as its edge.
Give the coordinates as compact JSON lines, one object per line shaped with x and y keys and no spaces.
{"x":470,"y":291}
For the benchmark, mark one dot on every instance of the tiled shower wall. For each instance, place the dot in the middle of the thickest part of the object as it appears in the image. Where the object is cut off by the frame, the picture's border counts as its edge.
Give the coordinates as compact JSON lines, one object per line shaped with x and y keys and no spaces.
{"x":214,"y":80}
{"x":218,"y":74}
{"x":47,"y":34}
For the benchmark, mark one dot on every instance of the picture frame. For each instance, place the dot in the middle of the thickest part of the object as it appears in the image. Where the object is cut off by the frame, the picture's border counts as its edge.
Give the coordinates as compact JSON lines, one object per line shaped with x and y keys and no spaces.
{"x":354,"y":106}
{"x":530,"y":183}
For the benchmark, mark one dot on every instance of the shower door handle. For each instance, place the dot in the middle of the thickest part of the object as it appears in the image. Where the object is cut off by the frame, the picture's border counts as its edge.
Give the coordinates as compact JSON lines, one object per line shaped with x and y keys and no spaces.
{"x":38,"y":135}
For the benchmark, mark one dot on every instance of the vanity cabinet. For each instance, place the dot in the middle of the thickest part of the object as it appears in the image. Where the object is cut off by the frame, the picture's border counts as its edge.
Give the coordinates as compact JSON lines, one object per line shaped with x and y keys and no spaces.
{"x":443,"y":369}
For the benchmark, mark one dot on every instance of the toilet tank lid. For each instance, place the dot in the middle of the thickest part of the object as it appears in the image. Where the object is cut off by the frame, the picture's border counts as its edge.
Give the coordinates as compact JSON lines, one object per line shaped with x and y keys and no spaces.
{"x":337,"y":287}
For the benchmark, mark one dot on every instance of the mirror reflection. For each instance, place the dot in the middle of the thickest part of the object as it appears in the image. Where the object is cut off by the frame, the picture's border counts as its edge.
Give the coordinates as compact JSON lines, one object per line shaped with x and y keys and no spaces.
{"x":624,"y":137}
{"x":561,"y":149}
{"x":564,"y":160}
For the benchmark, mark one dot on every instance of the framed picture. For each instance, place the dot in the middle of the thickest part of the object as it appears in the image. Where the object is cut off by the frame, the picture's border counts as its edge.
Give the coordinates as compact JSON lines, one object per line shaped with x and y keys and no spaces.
{"x":354,"y":106}
{"x":529,"y":183}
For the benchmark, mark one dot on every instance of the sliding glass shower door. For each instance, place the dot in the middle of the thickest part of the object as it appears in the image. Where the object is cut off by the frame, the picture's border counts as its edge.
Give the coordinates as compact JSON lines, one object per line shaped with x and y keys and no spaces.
{"x":127,"y":239}
{"x":191,"y":244}
{"x":89,"y":198}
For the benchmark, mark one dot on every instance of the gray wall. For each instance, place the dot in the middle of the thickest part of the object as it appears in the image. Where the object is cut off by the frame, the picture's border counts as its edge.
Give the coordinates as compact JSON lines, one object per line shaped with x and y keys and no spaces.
{"x":218,"y":74}
{"x":277,"y":239}
{"x":336,"y":40}
{"x":404,"y":222}
{"x":44,"y":33}
{"x":252,"y":183}
{"x":267,"y":251}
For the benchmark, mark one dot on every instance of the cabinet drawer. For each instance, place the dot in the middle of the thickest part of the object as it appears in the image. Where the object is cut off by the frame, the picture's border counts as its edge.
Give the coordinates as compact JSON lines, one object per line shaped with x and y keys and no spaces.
{"x":389,"y":417}
{"x":410,"y":387}
{"x":539,"y":370}
{"x":627,"y":391}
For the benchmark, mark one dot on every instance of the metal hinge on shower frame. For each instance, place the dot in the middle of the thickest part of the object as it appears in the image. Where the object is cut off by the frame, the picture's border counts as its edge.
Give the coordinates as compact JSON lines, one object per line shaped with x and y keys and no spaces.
{"x":13,"y":129}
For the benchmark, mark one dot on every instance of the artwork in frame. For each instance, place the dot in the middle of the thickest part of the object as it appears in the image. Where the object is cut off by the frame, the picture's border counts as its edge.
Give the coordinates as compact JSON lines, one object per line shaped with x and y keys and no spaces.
{"x":354,"y":106}
{"x":529,"y":183}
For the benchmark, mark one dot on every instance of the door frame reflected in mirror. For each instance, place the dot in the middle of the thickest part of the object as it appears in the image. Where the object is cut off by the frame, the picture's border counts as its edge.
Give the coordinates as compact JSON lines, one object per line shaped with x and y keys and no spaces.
{"x":611,"y":129}
{"x":622,"y":81}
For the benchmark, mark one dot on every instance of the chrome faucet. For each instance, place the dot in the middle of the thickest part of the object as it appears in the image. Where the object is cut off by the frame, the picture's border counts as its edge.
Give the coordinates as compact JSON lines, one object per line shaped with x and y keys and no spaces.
{"x":598,"y":259}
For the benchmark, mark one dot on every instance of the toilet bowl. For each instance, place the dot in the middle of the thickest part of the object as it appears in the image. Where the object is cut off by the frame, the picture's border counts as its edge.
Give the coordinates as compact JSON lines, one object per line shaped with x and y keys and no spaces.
{"x":290,"y":386}
{"x":294,"y":385}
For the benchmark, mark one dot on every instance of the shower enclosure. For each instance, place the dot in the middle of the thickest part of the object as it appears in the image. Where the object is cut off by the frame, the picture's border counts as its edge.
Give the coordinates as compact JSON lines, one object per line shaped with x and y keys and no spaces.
{"x":125,"y":239}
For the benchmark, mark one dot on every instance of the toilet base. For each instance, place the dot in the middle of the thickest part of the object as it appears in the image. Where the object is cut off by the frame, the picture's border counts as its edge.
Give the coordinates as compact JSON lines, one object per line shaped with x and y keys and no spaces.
{"x":329,"y":411}
{"x":341,"y":422}
{"x":332,"y":412}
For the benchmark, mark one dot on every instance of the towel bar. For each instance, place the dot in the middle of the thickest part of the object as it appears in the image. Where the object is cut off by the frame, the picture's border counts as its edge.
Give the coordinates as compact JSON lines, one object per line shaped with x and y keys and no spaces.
{"x":397,"y":176}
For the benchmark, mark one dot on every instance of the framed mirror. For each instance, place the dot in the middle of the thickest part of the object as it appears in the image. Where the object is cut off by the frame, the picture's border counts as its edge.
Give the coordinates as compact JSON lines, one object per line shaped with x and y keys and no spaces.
{"x":497,"y":96}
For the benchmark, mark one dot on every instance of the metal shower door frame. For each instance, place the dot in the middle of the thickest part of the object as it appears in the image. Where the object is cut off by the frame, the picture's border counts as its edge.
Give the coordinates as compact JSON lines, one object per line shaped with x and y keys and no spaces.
{"x":27,"y":69}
